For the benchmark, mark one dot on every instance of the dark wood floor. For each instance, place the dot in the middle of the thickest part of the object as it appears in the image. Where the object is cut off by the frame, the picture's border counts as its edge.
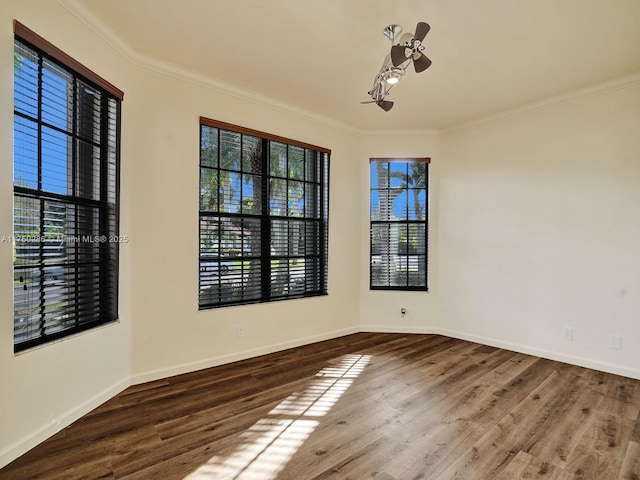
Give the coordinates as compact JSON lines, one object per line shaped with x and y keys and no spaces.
{"x":383,"y":406}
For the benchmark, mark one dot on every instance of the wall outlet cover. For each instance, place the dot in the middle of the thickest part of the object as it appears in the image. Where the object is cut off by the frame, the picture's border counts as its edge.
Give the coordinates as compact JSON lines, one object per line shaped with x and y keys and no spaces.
{"x":616,"y":342}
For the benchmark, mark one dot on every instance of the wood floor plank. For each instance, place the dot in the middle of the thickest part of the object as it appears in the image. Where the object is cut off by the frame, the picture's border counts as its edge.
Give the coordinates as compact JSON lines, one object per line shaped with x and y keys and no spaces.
{"x":631,"y":464}
{"x":608,"y":425}
{"x":363,"y":406}
{"x":494,"y":450}
{"x":526,"y":466}
{"x":455,"y":421}
{"x":571,"y":426}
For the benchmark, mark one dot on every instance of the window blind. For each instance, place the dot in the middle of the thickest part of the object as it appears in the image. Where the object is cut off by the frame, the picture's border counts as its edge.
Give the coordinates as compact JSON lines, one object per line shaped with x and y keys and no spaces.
{"x":263,"y":217}
{"x":66,"y":155}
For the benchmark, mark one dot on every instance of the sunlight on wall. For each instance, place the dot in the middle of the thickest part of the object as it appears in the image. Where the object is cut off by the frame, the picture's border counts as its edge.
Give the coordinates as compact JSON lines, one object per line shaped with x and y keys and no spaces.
{"x":271,"y":442}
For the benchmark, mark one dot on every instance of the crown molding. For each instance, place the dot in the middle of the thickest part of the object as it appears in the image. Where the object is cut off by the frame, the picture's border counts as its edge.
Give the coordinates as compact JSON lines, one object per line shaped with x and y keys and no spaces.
{"x":98,"y":27}
{"x":434,"y":133}
{"x":550,"y":102}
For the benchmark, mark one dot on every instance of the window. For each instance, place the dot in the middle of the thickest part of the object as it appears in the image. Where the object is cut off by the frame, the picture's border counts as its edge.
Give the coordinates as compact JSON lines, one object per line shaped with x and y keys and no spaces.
{"x":398,"y":255}
{"x":66,"y":153}
{"x":264,"y":210}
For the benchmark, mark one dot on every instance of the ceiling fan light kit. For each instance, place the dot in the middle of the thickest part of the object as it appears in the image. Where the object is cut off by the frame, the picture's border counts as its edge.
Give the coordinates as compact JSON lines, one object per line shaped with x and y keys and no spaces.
{"x":392,"y":75}
{"x":396,"y":63}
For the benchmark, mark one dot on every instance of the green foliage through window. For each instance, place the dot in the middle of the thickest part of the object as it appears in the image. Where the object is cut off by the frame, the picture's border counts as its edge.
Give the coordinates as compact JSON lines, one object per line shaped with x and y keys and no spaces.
{"x":263,"y":217}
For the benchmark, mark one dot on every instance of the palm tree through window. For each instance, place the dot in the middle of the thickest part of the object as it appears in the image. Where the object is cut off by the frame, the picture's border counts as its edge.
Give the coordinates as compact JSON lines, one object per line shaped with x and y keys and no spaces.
{"x":398,"y":234}
{"x":263,"y":217}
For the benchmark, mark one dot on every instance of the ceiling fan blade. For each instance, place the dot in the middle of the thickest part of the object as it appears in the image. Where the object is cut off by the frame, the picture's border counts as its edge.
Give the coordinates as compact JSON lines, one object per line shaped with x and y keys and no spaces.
{"x":421,"y":31}
{"x":386,"y":105}
{"x":370,"y":101}
{"x":398,"y":55}
{"x":421,"y":63}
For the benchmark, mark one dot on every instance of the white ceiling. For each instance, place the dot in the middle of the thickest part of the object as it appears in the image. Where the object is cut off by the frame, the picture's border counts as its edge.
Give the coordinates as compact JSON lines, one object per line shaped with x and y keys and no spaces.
{"x":322,"y":55}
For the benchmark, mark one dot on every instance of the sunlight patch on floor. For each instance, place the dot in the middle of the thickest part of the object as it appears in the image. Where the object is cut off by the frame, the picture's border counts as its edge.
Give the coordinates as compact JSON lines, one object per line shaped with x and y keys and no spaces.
{"x":271,"y":442}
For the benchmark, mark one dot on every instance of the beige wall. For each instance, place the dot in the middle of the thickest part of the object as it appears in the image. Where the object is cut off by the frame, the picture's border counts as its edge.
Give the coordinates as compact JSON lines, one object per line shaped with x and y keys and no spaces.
{"x":533,"y":227}
{"x":380,"y":310}
{"x":170,"y":335}
{"x":539,"y":230}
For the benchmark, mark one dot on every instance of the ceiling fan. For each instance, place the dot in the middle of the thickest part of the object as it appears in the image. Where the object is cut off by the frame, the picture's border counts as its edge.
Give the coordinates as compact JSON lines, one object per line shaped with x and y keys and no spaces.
{"x":395,"y":64}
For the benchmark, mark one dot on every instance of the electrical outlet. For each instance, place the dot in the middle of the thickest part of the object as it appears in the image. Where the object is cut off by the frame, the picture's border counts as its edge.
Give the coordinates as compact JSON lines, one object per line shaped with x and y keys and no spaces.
{"x":240,"y":331}
{"x":568,"y":334}
{"x":615,"y":342}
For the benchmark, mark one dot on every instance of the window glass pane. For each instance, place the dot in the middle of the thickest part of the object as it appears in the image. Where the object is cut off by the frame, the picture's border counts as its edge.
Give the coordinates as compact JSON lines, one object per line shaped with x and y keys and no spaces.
{"x":209,"y":235}
{"x":312,"y":201}
{"x":278,"y":196}
{"x":397,"y":174}
{"x":57,"y":95}
{"x":251,"y":240}
{"x":26,"y":228}
{"x":208,"y":189}
{"x":55,"y":149}
{"x":381,"y":270}
{"x":252,"y":194}
{"x":398,"y":275}
{"x":312,"y":166}
{"x":278,"y":159}
{"x":417,"y":206}
{"x":230,"y":189}
{"x":230,"y":150}
{"x":230,"y":237}
{"x":54,"y":221}
{"x":374,"y":206}
{"x":25,"y":62}
{"x":88,"y":106}
{"x":312,"y":237}
{"x":208,"y":146}
{"x":88,"y":175}
{"x":26,"y":299}
{"x":87,"y":225}
{"x":279,"y":277}
{"x":416,"y":239}
{"x":296,"y":162}
{"x":400,"y":205}
{"x":112,"y":139}
{"x":252,"y":282}
{"x":379,"y":175}
{"x":380,"y":239}
{"x":279,"y":237}
{"x":389,"y":207}
{"x":25,"y":156}
{"x":297,"y":235}
{"x":313,"y":276}
{"x":251,"y":154}
{"x":295,"y":201}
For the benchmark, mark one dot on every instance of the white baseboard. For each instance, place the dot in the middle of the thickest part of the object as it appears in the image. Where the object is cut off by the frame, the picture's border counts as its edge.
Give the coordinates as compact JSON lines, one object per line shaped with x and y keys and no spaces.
{"x":26,"y":443}
{"x":426,"y":330}
{"x":236,"y":356}
{"x":516,"y":347}
{"x":548,"y":354}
